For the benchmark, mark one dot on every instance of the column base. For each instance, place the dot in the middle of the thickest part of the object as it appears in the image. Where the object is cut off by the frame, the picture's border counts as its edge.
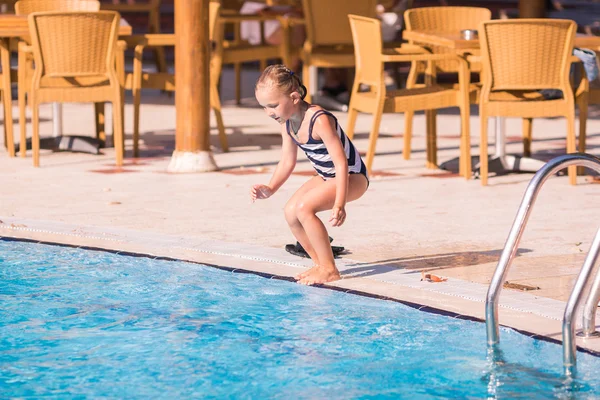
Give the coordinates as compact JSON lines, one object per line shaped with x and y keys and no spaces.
{"x":192,"y":161}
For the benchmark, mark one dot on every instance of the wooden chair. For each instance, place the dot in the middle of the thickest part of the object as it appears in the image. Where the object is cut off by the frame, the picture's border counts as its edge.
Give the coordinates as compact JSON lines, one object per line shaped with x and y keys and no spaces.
{"x":165,"y":81}
{"x":68,"y":70}
{"x":152,"y":8}
{"x":443,"y":20}
{"x":520,"y":57}
{"x":237,"y":51}
{"x":328,"y":37}
{"x":370,"y":59}
{"x":25,"y":55}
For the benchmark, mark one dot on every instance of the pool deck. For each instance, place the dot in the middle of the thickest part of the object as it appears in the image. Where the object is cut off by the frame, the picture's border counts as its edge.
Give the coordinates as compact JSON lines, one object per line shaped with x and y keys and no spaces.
{"x":411,"y":219}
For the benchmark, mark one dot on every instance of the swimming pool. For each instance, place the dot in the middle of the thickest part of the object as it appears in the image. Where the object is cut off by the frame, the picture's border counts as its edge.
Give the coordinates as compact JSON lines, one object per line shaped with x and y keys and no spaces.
{"x":80,"y":323}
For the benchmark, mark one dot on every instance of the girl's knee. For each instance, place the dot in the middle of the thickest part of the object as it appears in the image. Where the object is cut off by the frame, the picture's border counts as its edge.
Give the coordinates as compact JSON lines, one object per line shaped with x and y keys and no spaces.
{"x":304,"y":211}
{"x":290,"y":212}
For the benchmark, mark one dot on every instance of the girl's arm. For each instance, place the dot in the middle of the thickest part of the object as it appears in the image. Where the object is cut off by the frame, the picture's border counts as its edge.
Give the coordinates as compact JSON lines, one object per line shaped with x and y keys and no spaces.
{"x":285,"y":167}
{"x":325,"y":130}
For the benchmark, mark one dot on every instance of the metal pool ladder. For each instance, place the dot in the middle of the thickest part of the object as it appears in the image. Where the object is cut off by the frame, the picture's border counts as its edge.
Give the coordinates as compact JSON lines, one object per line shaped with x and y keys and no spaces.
{"x":510,"y":250}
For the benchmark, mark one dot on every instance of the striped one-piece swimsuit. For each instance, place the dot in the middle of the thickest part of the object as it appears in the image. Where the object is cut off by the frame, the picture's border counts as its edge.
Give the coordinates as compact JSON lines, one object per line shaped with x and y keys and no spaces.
{"x":318,"y":155}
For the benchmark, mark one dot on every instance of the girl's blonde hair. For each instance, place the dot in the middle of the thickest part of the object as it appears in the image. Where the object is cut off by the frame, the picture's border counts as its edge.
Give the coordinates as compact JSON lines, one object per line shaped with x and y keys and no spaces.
{"x":281,"y":77}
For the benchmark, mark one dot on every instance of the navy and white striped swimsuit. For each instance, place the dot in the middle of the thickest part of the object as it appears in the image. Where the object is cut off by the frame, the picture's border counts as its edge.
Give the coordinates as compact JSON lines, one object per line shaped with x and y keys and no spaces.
{"x":318,"y":155}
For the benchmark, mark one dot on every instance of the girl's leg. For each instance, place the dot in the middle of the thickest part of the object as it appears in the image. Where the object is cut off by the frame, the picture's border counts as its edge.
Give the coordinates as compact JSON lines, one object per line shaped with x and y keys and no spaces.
{"x":292,"y":219}
{"x":318,"y":199}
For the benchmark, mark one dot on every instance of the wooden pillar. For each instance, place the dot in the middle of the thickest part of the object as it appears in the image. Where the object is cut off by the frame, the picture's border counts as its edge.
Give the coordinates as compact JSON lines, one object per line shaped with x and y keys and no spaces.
{"x":532,"y":8}
{"x":192,"y":59}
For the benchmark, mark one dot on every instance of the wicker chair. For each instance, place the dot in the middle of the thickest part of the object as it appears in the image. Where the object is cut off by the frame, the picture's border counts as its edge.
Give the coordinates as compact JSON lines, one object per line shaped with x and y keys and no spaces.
{"x":444,"y":20}
{"x":520,"y":57}
{"x":152,"y":8}
{"x":165,"y":81}
{"x":328,"y":37}
{"x":370,"y":59}
{"x":25,"y":64}
{"x":67,"y":70}
{"x":237,"y":51}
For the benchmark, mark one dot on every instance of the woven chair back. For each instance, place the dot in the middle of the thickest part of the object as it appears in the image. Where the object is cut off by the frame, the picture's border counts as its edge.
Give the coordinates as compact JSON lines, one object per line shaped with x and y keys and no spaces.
{"x":366,"y":33}
{"x":25,"y":7}
{"x":525,"y":54}
{"x":327,"y":21}
{"x":69,"y":44}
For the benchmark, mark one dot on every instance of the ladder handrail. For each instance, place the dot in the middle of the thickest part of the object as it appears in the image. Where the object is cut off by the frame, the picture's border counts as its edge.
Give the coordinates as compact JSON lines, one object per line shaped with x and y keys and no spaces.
{"x":591,"y":306}
{"x":568,"y":328}
{"x":512,"y":243}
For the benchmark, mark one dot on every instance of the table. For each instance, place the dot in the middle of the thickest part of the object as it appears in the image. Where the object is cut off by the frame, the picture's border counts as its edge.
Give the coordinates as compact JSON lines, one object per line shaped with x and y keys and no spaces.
{"x":16,"y":26}
{"x":500,"y":162}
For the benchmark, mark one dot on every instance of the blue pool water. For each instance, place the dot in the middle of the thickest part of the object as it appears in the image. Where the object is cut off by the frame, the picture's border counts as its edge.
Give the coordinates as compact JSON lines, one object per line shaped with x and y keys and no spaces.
{"x":80,"y":324}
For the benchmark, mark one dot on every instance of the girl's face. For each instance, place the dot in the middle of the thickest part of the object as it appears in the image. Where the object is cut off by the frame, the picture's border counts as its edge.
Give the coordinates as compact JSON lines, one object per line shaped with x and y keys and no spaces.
{"x":278,"y":106}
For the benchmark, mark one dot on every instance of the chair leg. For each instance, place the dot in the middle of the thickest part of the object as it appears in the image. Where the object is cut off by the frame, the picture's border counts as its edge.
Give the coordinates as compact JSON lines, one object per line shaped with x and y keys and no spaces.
{"x":306,"y":81}
{"x":373,"y":137}
{"x":35,"y":140}
{"x":137,"y":99}
{"x":411,"y":80}
{"x":100,"y":120}
{"x":118,"y":128}
{"x":352,"y":112}
{"x":9,"y":139}
{"x":464,"y":79}
{"x":136,"y":89}
{"x":465,"y":142}
{"x":237,"y":68}
{"x":583,"y":114}
{"x":216,"y":106}
{"x":22,"y":122}
{"x":571,"y":146}
{"x":5,"y":135}
{"x":527,"y":129}
{"x":22,"y":85}
{"x":431,"y":146}
{"x":159,"y":51}
{"x":483,"y":148}
{"x":7,"y":100}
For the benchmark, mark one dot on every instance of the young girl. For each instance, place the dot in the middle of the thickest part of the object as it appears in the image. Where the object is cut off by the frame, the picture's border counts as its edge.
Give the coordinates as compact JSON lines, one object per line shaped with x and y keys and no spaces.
{"x":341,"y":174}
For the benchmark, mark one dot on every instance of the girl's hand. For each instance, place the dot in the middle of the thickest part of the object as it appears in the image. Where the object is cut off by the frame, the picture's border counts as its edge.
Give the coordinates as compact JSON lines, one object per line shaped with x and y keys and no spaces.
{"x":338,"y":216}
{"x":260,"y":192}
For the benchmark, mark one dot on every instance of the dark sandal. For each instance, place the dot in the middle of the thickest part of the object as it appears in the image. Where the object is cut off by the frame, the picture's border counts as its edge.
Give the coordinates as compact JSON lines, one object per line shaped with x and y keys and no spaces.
{"x":298,"y":250}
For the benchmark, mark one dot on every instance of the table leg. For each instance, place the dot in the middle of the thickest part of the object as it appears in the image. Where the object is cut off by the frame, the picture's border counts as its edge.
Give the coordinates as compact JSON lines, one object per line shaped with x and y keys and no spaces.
{"x":7,"y":95}
{"x":57,"y":125}
{"x":501,"y":163}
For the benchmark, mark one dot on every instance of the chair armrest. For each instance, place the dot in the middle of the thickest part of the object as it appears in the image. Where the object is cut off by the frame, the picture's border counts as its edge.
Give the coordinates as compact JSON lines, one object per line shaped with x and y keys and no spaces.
{"x":408,"y":57}
{"x":584,"y":83}
{"x":121,"y":45}
{"x":150,"y":39}
{"x":406,"y":49}
{"x":574,"y":59}
{"x":236,"y":18}
{"x":294,"y":20}
{"x":25,"y":48}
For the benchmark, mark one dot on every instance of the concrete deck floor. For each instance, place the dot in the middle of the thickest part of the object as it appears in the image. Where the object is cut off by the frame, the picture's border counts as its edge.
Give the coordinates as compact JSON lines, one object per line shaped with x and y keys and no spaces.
{"x":411,"y":219}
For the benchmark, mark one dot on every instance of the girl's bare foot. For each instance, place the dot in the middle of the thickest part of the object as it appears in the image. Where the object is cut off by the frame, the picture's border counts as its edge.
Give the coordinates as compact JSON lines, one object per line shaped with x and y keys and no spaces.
{"x":318,"y":274}
{"x":303,"y":274}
